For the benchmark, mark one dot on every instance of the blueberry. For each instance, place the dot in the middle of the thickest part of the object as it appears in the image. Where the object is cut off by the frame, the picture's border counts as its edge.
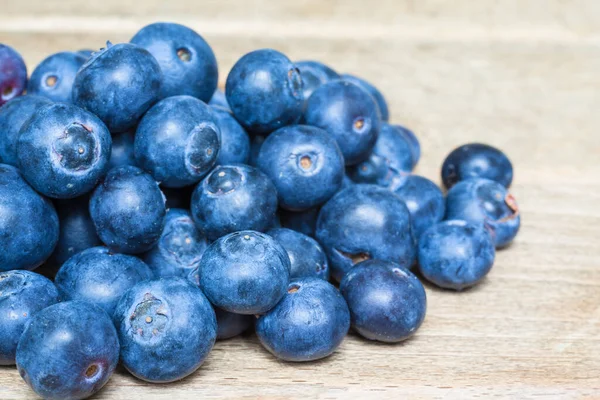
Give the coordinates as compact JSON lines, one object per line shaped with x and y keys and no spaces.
{"x":349,"y":114}
{"x":234,"y":198}
{"x":235,"y":143}
{"x":387,"y":303}
{"x":244,"y":272}
{"x":180,"y":248}
{"x":13,"y":74}
{"x":122,"y":150}
{"x":373,"y":91}
{"x":63,"y":151}
{"x":166,"y":329}
{"x":118,"y":84}
{"x":68,"y":351}
{"x":22,"y":295}
{"x":177,"y":141}
{"x":255,"y":144}
{"x":264,"y":91}
{"x":219,"y":99}
{"x":300,"y":221}
{"x":28,"y":223}
{"x":12,"y":117}
{"x":307,"y":258}
{"x":412,"y":140}
{"x":424,"y":200}
{"x":456,"y":254}
{"x":365,"y":222}
{"x":308,"y":324}
{"x":391,"y":158}
{"x":188,"y":63}
{"x":476,"y":160}
{"x":230,"y":324}
{"x":314,"y":74}
{"x":54,"y":77}
{"x":128,"y":210}
{"x":100,"y":277}
{"x":485,"y":202}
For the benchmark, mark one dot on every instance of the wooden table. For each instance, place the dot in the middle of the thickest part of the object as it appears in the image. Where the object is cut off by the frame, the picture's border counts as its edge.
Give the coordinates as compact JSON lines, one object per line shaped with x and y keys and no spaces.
{"x":520,"y":75}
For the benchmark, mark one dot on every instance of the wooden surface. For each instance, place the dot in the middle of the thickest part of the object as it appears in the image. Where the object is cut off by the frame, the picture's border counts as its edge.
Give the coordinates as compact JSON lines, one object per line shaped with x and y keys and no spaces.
{"x":520,"y":75}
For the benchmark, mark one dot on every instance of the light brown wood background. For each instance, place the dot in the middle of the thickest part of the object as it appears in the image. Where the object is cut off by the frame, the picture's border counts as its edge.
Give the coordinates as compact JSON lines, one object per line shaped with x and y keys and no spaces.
{"x":520,"y":75}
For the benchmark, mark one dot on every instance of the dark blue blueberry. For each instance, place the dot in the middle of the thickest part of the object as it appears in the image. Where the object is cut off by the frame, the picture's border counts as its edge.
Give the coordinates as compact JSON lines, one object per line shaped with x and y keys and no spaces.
{"x":12,"y":117}
{"x":28,"y":223}
{"x":476,"y":160}
{"x":424,"y":200}
{"x":188,"y":63}
{"x":365,"y":222}
{"x":219,"y":99}
{"x":178,"y":141}
{"x":346,"y":182}
{"x":128,"y":210}
{"x":54,"y":77}
{"x":391,"y":158}
{"x":166,"y":329}
{"x":304,"y":163}
{"x":68,"y":351}
{"x":13,"y":74}
{"x":300,"y":221}
{"x":180,"y":248}
{"x":122,"y":150}
{"x":63,"y":151}
{"x":100,"y":277}
{"x":22,"y":295}
{"x":255,"y":144}
{"x":235,"y":143}
{"x":485,"y":202}
{"x":178,"y":197}
{"x":308,"y":324}
{"x":456,"y":254}
{"x":349,"y":114}
{"x":230,"y":324}
{"x":118,"y":84}
{"x":264,"y":91}
{"x":373,"y":91}
{"x":245,"y":272}
{"x":387,"y":303}
{"x":314,"y":74}
{"x":234,"y":198}
{"x":307,"y":258}
{"x":412,"y":140}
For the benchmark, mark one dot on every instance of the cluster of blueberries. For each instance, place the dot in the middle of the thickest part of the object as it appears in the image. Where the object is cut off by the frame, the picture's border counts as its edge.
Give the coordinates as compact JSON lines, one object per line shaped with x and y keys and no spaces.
{"x":171,"y":214}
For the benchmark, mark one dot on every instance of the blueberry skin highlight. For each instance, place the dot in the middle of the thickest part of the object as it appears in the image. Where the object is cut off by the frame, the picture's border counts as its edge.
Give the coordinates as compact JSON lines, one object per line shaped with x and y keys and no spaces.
{"x":300,"y":221}
{"x":245,"y":272}
{"x":13,"y":74}
{"x":219,"y":99}
{"x":486,"y":202}
{"x":230,"y":325}
{"x":234,"y":198}
{"x":166,"y":328}
{"x":304,"y":163}
{"x":264,"y":91}
{"x":307,"y":258}
{"x":235,"y":142}
{"x":456,"y":254}
{"x":22,"y":295}
{"x":128,"y":210}
{"x":373,"y":91}
{"x":187,"y":62}
{"x":424,"y":200}
{"x":63,"y":151}
{"x":28,"y":223}
{"x":390,"y":159}
{"x":180,"y":248}
{"x":387,"y":303}
{"x":68,"y":351}
{"x":54,"y":77}
{"x":118,"y":84}
{"x":122,"y":150}
{"x":100,"y":277}
{"x":349,"y":114}
{"x":365,"y":222}
{"x":12,"y":117}
{"x":476,"y":160}
{"x":314,"y":74}
{"x":178,"y":141}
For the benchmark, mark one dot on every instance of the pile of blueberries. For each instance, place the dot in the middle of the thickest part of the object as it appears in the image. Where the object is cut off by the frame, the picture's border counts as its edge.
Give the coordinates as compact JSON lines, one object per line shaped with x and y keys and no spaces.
{"x":170,"y":214}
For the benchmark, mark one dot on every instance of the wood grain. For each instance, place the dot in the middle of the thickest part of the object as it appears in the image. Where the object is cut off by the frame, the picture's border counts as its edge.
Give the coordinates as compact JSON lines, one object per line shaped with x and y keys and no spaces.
{"x":521,"y":75}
